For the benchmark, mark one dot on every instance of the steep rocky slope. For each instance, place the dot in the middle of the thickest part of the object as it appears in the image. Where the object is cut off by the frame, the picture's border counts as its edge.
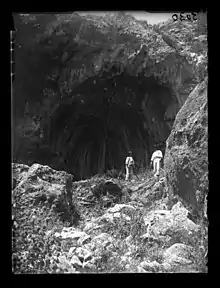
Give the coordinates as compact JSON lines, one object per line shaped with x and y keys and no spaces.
{"x":106,"y":225}
{"x":102,"y":85}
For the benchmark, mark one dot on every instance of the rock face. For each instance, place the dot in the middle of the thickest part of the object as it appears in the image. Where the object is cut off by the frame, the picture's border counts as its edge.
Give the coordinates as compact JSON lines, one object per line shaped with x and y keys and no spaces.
{"x":41,"y":188}
{"x":146,"y":73}
{"x":18,"y":171}
{"x":186,"y":156}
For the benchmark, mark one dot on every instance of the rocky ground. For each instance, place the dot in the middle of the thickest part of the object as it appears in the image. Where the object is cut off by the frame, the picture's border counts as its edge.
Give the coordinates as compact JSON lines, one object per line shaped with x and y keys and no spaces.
{"x":108,"y":226}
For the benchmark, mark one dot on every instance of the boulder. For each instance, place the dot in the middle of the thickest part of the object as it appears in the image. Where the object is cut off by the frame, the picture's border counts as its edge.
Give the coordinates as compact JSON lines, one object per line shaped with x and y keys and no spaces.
{"x":178,"y":249}
{"x":186,"y":155}
{"x":64,"y":263}
{"x":151,"y":266}
{"x":110,"y":217}
{"x":102,"y":240}
{"x":141,"y":270}
{"x":84,"y":239}
{"x":119,"y":207}
{"x":179,"y":254}
{"x":71,"y":252}
{"x":76,"y":262}
{"x":41,"y":198}
{"x":83,"y":254}
{"x":70,"y":232}
{"x":18,"y":172}
{"x":165,"y":222}
{"x":111,"y":214}
{"x":44,"y":172}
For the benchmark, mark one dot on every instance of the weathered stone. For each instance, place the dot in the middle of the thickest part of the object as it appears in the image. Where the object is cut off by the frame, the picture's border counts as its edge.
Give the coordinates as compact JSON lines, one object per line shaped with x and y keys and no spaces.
{"x":41,"y":190}
{"x":18,"y":172}
{"x":165,"y":222}
{"x":176,"y":260}
{"x":70,"y":233}
{"x":186,"y":156}
{"x":102,"y":240}
{"x":110,"y":217}
{"x":84,"y":239}
{"x":141,"y":270}
{"x":64,"y":263}
{"x":88,"y":265}
{"x":126,"y":217}
{"x":83,"y":254}
{"x":75,"y":261}
{"x":119,"y":207}
{"x":152,"y":266}
{"x":179,"y":254}
{"x":71,"y":251}
{"x":128,"y":240}
{"x":48,"y":174}
{"x":92,"y":225}
{"x":117,"y":215}
{"x":107,"y":217}
{"x":178,"y":208}
{"x":124,"y":260}
{"x":166,"y":266}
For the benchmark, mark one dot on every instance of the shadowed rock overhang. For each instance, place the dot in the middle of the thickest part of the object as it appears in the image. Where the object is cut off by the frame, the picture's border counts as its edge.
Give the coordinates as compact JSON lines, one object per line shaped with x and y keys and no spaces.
{"x":120,"y":89}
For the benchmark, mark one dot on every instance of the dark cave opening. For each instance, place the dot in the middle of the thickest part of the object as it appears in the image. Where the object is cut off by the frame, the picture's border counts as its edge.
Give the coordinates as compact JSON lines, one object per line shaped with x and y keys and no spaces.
{"x":109,"y":116}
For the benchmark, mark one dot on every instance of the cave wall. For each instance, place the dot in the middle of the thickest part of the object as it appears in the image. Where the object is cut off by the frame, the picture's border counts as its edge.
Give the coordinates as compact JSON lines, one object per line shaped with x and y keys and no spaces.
{"x":157,"y":100}
{"x":114,"y":115}
{"x":151,"y":101}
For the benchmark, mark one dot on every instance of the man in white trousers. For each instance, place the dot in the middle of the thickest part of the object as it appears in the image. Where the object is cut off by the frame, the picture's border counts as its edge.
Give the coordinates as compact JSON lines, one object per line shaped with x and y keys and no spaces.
{"x":129,"y":164}
{"x":156,"y":161}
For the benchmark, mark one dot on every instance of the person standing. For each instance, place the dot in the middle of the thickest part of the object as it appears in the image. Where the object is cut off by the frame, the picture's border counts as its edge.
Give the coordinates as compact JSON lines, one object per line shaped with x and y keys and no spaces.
{"x":129,"y":165}
{"x":156,"y":161}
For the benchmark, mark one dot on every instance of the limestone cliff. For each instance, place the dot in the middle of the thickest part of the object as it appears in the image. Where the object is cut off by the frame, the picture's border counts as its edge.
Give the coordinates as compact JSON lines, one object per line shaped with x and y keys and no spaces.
{"x":186,"y":158}
{"x":115,"y":84}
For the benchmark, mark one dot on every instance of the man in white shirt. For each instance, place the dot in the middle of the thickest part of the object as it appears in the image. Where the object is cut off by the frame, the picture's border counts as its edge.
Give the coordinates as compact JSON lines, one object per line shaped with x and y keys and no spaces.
{"x":129,"y":164}
{"x":156,"y":160}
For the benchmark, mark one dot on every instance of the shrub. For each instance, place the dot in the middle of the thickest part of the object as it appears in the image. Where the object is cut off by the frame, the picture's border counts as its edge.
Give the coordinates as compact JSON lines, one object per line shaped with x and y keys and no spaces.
{"x":114,"y":173}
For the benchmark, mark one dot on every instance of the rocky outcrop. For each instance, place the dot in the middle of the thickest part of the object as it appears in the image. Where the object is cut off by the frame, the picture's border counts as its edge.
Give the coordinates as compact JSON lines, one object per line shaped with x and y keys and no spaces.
{"x":41,"y":191}
{"x":177,"y":258}
{"x":18,"y":171}
{"x":186,"y":157}
{"x":125,"y":237}
{"x":169,"y":224}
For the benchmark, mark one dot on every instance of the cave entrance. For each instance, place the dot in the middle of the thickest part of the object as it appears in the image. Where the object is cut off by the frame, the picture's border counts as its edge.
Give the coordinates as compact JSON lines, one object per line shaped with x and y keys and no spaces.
{"x":114,"y":114}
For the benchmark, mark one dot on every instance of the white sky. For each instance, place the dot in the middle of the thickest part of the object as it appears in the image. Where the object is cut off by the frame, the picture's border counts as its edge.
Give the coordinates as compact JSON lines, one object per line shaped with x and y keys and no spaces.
{"x":152,"y":18}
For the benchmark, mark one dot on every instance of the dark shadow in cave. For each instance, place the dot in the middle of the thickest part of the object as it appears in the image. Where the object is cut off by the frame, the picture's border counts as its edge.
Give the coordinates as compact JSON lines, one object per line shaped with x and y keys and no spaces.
{"x":105,"y":120}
